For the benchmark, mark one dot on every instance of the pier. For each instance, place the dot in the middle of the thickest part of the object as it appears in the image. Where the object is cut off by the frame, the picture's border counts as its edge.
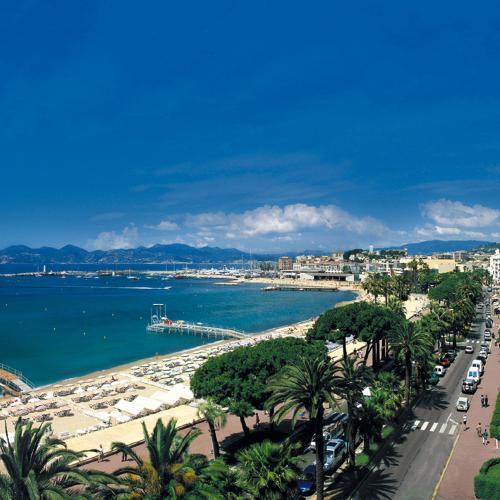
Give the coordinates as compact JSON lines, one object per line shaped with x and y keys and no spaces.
{"x":14,"y":381}
{"x":161,"y":324}
{"x":292,"y":288}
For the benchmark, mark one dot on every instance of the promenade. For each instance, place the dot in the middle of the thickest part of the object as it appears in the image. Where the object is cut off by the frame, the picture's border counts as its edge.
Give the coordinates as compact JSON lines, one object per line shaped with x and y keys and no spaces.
{"x":468,"y":454}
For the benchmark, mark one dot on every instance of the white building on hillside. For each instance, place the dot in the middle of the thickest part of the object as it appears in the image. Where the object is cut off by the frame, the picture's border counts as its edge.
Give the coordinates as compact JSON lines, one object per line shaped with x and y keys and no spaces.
{"x":495,"y":265}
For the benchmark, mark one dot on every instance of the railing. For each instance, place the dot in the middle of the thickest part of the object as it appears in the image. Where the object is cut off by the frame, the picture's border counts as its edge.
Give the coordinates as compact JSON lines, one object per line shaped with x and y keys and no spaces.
{"x":18,"y":374}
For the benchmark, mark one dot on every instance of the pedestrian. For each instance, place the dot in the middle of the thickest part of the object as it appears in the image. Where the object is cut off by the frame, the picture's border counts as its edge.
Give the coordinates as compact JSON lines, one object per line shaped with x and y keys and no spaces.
{"x":482,"y":400}
{"x":257,"y":419}
{"x":486,"y":401}
{"x":465,"y":422}
{"x":485,"y":436}
{"x":478,"y":429}
{"x":101,"y":453}
{"x":124,"y":456}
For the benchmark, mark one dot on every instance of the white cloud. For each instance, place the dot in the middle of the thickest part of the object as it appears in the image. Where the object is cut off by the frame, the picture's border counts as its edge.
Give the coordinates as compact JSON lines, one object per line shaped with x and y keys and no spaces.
{"x":111,"y":240}
{"x":440,"y":232}
{"x":165,"y":225}
{"x":447,"y":213}
{"x":287,"y":220}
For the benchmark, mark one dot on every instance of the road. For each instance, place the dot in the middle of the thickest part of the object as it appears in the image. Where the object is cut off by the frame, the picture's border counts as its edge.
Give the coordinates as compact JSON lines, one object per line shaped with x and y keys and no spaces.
{"x":410,"y":468}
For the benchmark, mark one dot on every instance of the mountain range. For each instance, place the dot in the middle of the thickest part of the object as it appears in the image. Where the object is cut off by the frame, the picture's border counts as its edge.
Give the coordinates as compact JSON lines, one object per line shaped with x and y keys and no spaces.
{"x":176,"y":252}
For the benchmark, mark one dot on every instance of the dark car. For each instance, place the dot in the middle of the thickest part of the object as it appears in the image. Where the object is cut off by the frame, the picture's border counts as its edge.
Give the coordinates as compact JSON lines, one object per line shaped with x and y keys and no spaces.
{"x":452,"y":354}
{"x":307,"y":485}
{"x":469,"y":386}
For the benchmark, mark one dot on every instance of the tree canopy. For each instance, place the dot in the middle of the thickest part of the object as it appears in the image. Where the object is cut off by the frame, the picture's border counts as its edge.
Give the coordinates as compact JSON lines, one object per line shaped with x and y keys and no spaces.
{"x":242,"y":375}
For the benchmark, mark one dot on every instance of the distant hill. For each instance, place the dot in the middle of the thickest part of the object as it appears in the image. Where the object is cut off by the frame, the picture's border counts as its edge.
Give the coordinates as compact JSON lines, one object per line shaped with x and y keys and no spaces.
{"x":431,"y":246}
{"x":71,"y":254}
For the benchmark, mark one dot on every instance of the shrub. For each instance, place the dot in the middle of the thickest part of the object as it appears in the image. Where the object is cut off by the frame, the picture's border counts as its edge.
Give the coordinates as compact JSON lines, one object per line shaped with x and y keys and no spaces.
{"x":495,"y":420}
{"x":487,"y":482}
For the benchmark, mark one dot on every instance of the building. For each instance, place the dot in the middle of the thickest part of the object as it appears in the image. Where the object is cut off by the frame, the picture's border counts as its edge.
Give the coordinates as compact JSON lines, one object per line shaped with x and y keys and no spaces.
{"x":438,"y":265}
{"x":285,"y":263}
{"x":495,"y":266}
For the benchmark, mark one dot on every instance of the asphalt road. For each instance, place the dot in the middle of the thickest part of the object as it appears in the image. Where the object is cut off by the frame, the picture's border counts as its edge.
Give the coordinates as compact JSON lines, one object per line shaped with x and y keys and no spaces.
{"x":410,"y":468}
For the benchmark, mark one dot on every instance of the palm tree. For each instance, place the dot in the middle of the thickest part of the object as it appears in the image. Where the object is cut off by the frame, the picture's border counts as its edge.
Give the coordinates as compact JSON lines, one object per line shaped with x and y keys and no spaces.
{"x":350,"y":387}
{"x":216,"y":418}
{"x":307,"y":385}
{"x":241,"y":409}
{"x":269,"y":471}
{"x":38,"y":466}
{"x":166,"y":473}
{"x":409,"y":343}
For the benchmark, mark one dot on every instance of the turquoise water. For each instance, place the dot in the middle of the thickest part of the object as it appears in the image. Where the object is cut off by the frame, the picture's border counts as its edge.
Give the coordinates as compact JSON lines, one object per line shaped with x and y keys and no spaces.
{"x":53,"y":328}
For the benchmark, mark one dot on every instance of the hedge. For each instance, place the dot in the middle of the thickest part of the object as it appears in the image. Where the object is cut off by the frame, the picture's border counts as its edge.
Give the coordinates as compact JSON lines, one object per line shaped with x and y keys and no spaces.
{"x":487,"y":482}
{"x":495,"y":420}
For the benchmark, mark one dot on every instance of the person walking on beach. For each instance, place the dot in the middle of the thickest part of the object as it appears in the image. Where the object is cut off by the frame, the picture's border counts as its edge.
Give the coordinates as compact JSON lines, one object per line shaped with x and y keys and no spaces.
{"x":478,"y":429}
{"x":465,"y":422}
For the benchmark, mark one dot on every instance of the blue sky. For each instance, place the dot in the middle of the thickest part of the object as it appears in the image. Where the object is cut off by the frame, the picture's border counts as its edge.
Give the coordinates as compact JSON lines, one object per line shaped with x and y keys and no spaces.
{"x":263,"y":126}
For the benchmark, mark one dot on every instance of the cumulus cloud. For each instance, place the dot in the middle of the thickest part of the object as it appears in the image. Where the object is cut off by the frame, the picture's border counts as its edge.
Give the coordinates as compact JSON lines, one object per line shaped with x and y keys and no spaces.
{"x":447,"y":213}
{"x":276,"y":220}
{"x":112,"y":240}
{"x":165,"y":225}
{"x":440,"y":232}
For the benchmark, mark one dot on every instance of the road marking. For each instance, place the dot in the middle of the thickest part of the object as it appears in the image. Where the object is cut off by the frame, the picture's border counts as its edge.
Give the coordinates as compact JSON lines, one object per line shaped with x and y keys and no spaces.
{"x":424,"y":426}
{"x":415,"y":424}
{"x":452,"y":421}
{"x":452,"y":430}
{"x":443,"y":427}
{"x":433,"y":427}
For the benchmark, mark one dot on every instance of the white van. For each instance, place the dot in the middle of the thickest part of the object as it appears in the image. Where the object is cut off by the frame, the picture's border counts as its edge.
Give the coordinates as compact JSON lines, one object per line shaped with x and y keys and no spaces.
{"x":439,"y":370}
{"x":477,"y":363}
{"x":474,"y":374}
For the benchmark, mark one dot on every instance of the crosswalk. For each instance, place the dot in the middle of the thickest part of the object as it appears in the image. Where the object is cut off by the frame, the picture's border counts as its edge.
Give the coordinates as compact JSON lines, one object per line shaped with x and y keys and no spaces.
{"x":470,"y":341}
{"x":448,"y":428}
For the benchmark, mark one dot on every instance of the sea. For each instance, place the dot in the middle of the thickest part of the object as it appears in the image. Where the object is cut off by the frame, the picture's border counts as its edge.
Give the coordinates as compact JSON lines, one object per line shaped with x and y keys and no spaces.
{"x":54,"y":328}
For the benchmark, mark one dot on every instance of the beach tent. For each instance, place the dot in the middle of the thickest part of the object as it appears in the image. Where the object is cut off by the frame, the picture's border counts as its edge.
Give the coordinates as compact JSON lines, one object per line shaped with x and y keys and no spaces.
{"x":150,"y":404}
{"x":129,"y":407}
{"x":183,"y":391}
{"x":169,"y":398}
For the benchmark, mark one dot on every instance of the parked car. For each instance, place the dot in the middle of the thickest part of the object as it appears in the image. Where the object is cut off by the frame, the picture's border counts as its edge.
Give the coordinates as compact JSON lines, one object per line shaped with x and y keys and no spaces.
{"x":485,"y":346}
{"x":444,"y":361}
{"x":469,"y":349}
{"x":482,"y":356}
{"x":474,"y":374}
{"x":440,"y":370}
{"x":469,"y":386}
{"x":477,"y":363}
{"x":336,"y":453}
{"x":487,"y":336}
{"x":307,"y":485}
{"x":462,"y":403}
{"x":452,"y":354}
{"x":434,"y":378}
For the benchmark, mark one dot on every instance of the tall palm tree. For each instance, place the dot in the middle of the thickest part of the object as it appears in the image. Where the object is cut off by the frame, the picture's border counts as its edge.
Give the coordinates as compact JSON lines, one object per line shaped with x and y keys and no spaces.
{"x":166,"y":473}
{"x":307,"y":385}
{"x":269,"y":471}
{"x":409,"y":343}
{"x":216,"y":418}
{"x":38,"y":466}
{"x":354,"y":378}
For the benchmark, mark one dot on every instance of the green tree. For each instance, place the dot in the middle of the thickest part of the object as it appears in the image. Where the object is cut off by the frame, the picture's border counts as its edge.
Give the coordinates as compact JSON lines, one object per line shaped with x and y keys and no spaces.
{"x":166,"y":474}
{"x":242,"y":410}
{"x":354,"y":379}
{"x":242,"y":375}
{"x":409,"y":342}
{"x":38,"y":466}
{"x":269,"y":471}
{"x":307,"y":385}
{"x":216,"y":418}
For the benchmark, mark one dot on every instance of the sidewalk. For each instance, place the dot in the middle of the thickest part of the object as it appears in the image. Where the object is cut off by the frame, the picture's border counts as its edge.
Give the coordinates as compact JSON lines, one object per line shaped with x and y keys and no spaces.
{"x":469,"y":453}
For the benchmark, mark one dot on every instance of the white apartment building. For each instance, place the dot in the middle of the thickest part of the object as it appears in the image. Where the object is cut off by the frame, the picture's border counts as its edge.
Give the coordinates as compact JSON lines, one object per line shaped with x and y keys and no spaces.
{"x":495,"y":266}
